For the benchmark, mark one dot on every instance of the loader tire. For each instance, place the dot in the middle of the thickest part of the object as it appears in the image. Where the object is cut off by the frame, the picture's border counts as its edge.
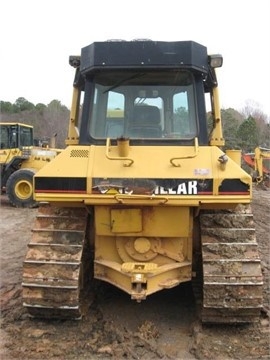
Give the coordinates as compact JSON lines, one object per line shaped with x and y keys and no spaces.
{"x":20,"y":188}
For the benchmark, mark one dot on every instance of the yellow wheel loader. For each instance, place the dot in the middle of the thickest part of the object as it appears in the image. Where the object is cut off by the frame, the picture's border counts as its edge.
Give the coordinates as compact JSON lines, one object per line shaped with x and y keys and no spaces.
{"x":19,"y":161}
{"x":143,"y":197}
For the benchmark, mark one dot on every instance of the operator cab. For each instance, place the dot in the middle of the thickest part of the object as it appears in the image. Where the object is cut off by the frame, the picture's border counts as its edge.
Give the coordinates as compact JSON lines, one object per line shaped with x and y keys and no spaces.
{"x":145,"y":91}
{"x":15,"y":136}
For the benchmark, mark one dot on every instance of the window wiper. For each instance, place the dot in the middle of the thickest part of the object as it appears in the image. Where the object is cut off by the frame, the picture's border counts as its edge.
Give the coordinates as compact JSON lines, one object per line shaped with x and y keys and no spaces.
{"x":122,"y":81}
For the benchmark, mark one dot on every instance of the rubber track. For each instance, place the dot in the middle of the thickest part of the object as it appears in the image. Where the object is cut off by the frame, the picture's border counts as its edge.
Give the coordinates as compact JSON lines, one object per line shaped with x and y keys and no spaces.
{"x":51,"y":270}
{"x":232,"y":277}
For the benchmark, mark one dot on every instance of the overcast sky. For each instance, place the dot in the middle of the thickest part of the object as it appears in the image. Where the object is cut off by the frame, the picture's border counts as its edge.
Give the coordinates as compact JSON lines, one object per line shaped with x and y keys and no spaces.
{"x":37,"y":37}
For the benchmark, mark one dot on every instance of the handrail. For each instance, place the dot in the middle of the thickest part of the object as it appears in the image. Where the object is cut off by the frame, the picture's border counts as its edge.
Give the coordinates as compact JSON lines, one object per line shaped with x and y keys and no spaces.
{"x":121,"y":198}
{"x":108,"y":144}
{"x":196,"y":151}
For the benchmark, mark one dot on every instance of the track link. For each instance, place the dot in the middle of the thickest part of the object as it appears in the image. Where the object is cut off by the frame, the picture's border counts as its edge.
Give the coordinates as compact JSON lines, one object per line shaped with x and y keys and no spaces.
{"x":52,"y":267}
{"x":232,"y":277}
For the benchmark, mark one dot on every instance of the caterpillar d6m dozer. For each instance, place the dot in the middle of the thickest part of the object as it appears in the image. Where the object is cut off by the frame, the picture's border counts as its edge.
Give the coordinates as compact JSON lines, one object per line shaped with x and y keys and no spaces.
{"x":144,"y":197}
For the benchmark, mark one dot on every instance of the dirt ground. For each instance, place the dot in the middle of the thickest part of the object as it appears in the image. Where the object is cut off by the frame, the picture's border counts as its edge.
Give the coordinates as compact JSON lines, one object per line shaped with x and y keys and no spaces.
{"x":165,"y":326}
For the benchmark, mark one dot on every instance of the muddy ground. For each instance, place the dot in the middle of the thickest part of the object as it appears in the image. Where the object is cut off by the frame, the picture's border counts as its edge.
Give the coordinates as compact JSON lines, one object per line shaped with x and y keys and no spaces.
{"x":165,"y":326}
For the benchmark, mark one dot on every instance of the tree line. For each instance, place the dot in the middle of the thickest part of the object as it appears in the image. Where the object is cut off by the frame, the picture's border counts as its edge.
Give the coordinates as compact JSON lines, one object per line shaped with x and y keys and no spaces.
{"x":243,"y":130}
{"x":47,"y":120}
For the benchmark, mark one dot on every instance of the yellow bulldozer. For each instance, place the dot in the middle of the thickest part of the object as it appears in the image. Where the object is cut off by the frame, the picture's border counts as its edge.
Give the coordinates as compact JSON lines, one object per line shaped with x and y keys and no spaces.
{"x":143,"y":197}
{"x":20,"y":160}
